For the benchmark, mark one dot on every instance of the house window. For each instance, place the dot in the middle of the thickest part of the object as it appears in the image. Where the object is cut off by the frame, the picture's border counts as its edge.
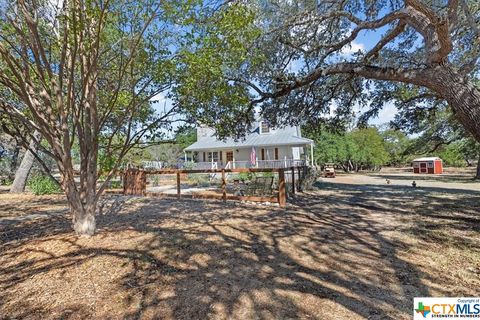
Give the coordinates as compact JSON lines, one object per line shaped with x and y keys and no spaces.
{"x":213,"y":156}
{"x":264,"y":127}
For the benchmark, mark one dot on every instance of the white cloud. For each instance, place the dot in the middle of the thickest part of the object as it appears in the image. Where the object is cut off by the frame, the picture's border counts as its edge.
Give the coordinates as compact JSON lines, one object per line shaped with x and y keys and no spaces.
{"x":385,"y":115}
{"x":352,"y":48}
{"x":160,"y":97}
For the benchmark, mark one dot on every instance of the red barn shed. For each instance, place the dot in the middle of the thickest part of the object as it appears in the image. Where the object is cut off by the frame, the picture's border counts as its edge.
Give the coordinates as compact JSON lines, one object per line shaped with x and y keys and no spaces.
{"x":433,"y":165}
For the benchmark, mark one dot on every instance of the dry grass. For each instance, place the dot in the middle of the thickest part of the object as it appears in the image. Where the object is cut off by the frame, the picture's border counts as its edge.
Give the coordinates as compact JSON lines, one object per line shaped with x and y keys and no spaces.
{"x":18,"y":205}
{"x":342,"y":252}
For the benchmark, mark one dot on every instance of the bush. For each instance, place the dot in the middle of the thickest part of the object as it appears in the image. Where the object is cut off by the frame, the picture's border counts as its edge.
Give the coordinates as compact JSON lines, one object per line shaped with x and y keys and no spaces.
{"x":268,"y":174}
{"x":199,"y":180}
{"x":116,"y":184}
{"x":246,"y":176}
{"x":41,"y":185}
{"x":5,"y":181}
{"x":309,"y":179}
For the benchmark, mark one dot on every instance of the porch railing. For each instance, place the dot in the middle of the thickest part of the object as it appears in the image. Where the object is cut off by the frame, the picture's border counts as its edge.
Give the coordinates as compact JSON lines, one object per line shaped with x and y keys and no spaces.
{"x":267,"y":164}
{"x":262,"y":164}
{"x":201,"y":165}
{"x":278,"y":164}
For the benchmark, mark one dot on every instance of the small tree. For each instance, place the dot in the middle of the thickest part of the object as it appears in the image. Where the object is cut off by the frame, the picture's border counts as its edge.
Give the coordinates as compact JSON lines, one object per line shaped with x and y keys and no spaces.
{"x":82,"y":74}
{"x":371,"y":152}
{"x":354,"y":150}
{"x":396,"y":143}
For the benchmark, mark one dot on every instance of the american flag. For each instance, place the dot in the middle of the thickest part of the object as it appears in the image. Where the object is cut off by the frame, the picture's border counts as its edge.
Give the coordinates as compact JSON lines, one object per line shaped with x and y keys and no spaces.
{"x":253,"y":157}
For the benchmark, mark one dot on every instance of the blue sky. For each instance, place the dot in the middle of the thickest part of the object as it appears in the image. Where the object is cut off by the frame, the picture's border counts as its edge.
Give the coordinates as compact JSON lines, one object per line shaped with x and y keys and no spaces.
{"x":366,"y":40}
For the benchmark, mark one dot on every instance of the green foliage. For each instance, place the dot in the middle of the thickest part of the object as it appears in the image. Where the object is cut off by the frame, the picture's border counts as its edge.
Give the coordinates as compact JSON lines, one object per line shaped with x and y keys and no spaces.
{"x":214,"y":52}
{"x":360,"y":148}
{"x":198,"y":179}
{"x":332,"y":147}
{"x":185,"y":136}
{"x":295,"y":74}
{"x":116,"y":184}
{"x":441,"y":135}
{"x":267,"y":174}
{"x":370,"y":148}
{"x":136,"y":156}
{"x":189,"y":166}
{"x":396,"y":142}
{"x":41,"y":185}
{"x":6,"y":182}
{"x":168,"y":153}
{"x":452,"y":155}
{"x":246,"y":176}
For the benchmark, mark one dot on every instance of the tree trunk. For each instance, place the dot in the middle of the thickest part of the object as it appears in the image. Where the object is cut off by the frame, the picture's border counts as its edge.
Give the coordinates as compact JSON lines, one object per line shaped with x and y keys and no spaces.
{"x":21,"y":175}
{"x":14,"y":161}
{"x":82,"y":208}
{"x":84,"y":222}
{"x":464,"y":98}
{"x":81,"y":198}
{"x":462,"y":94}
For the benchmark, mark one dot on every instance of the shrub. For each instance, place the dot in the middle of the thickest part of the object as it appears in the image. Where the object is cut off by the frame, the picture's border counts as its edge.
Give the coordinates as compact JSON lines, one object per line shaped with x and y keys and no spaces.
{"x":6,"y":181}
{"x":116,"y":184}
{"x":246,"y":176}
{"x":200,"y":180}
{"x":268,"y":175}
{"x":41,"y":185}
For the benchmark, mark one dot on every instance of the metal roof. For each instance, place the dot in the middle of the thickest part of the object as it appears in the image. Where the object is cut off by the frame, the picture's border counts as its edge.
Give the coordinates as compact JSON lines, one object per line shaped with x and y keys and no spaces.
{"x":251,"y":140}
{"x":426,"y":159}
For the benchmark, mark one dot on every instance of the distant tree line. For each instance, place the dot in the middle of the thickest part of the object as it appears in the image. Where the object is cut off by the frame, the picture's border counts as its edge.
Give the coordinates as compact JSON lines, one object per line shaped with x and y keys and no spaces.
{"x":371,"y":148}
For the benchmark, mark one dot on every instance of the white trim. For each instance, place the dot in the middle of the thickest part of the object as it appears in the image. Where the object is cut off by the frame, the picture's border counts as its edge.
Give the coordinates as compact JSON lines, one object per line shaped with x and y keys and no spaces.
{"x":426,"y":159}
{"x":261,"y":127}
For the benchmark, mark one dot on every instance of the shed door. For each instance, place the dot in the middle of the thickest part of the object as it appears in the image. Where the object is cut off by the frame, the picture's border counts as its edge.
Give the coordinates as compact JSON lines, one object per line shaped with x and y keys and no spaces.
{"x":423,"y":167}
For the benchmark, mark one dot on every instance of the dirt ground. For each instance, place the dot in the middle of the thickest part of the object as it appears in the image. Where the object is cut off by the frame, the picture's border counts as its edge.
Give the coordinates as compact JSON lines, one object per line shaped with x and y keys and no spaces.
{"x":355,"y":248}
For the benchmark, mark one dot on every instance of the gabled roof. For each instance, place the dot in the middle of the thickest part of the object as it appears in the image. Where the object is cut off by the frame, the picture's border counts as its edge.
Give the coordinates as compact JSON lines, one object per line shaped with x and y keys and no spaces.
{"x":426,"y":159}
{"x":251,"y":140}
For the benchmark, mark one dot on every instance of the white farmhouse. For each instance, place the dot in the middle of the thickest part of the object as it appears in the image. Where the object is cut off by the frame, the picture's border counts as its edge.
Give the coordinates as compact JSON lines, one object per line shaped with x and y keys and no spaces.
{"x":265,"y":147}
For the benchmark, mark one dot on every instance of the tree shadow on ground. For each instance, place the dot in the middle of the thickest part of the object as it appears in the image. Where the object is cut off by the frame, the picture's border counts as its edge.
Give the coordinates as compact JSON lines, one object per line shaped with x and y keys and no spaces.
{"x":433,"y":209}
{"x":320,"y":258}
{"x":444,"y":178}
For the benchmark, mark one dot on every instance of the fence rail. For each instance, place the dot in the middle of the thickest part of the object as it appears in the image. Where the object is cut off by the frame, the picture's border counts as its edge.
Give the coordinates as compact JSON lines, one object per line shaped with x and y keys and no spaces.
{"x":135,"y":182}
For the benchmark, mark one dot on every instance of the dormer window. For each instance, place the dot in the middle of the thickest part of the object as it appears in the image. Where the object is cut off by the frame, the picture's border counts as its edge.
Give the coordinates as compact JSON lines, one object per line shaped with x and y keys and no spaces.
{"x":264,"y":127}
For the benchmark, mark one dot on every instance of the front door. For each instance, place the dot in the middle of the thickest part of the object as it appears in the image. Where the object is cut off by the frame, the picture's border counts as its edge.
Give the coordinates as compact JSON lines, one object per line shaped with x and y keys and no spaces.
{"x":229,"y":156}
{"x":423,"y":167}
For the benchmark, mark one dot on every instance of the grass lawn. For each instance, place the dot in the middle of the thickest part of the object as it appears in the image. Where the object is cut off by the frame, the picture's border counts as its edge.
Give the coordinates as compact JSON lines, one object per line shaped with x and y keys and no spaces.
{"x":344,"y":251}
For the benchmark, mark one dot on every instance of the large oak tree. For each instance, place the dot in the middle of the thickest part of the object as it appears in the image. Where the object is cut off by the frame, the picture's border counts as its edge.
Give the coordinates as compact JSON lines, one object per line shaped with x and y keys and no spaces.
{"x":309,"y":59}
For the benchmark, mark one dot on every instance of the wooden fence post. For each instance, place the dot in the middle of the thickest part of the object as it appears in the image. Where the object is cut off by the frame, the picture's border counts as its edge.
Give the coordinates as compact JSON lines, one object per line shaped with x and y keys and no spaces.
{"x":300,"y":179}
{"x":178,"y":184}
{"x":224,"y":186}
{"x":134,"y":182}
{"x":282,"y":196}
{"x":293,"y":180}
